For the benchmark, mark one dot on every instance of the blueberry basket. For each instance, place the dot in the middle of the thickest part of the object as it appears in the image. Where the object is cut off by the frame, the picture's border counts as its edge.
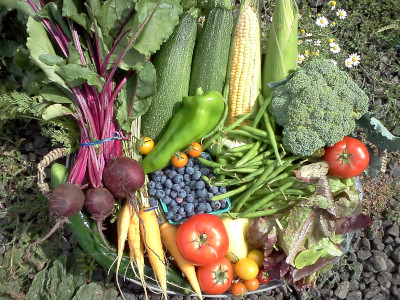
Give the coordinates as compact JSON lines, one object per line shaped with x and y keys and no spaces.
{"x":214,"y":212}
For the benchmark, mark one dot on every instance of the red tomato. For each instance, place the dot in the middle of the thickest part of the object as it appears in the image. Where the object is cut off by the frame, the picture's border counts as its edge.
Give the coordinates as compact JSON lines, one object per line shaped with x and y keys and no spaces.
{"x":263,"y":276}
{"x":202,"y":239}
{"x":215,"y":278}
{"x":347,"y":158}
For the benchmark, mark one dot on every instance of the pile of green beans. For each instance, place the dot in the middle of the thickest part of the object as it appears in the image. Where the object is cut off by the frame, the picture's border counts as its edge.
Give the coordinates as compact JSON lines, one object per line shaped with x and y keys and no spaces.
{"x":256,"y":174}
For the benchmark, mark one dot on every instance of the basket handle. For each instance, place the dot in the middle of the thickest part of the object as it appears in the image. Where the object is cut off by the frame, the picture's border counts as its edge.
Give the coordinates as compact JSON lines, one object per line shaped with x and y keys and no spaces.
{"x":46,"y":161}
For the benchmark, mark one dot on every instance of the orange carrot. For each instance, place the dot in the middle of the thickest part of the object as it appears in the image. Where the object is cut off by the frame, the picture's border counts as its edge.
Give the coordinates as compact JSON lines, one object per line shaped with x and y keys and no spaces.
{"x":168,"y":236}
{"x":123,"y":222}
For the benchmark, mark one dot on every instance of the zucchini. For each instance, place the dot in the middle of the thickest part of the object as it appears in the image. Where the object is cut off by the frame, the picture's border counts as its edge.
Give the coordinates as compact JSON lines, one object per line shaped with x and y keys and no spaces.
{"x":210,"y":4}
{"x":211,"y":54}
{"x":58,"y":175}
{"x":173,"y":65}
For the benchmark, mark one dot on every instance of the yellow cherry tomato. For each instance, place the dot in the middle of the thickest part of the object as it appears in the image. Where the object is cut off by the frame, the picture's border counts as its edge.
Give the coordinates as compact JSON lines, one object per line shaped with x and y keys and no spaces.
{"x":256,"y":255}
{"x":246,"y":268}
{"x":146,"y":145}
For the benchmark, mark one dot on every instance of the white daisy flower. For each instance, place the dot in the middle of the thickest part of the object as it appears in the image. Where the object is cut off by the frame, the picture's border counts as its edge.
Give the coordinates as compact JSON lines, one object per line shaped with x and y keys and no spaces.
{"x":335,"y":48}
{"x":308,"y":35}
{"x":333,"y":5}
{"x":317,"y":43}
{"x":322,"y":22}
{"x":342,"y":14}
{"x":348,"y":63}
{"x":334,"y":62}
{"x":299,"y":42}
{"x":202,"y":19}
{"x":355,"y":59}
{"x":300,"y":58}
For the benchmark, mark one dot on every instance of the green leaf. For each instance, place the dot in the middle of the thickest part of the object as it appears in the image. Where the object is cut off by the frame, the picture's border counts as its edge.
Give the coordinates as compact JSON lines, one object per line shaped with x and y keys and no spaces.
{"x":322,"y":202}
{"x":53,"y":94}
{"x":75,"y":10}
{"x":164,"y":17}
{"x":306,"y":258}
{"x":76,"y":75}
{"x":378,"y":134}
{"x":95,"y":291}
{"x":54,"y":111}
{"x":142,"y":85}
{"x":53,"y":12}
{"x":39,"y":44}
{"x":51,"y":59}
{"x":21,"y":5}
{"x":375,"y":163}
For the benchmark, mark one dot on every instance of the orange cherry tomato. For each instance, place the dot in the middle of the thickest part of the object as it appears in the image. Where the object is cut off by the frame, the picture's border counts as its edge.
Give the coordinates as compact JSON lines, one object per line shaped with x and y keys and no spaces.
{"x":194,"y":149}
{"x":252,"y":284}
{"x":246,"y":268}
{"x":179,"y":160}
{"x":238,"y":289}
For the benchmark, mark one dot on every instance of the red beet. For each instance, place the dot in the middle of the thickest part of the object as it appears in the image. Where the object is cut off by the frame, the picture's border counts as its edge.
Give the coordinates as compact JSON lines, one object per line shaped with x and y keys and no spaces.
{"x":123,"y":177}
{"x":66,"y":200}
{"x":100,"y":203}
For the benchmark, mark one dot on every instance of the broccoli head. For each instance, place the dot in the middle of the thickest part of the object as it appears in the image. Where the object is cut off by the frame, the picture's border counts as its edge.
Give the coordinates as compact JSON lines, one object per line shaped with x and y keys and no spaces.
{"x":317,"y":107}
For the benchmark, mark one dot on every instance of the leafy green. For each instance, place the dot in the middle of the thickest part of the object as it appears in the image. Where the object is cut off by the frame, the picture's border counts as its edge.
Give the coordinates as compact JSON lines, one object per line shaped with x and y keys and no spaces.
{"x":161,"y":16}
{"x":73,"y":9}
{"x":95,"y":291}
{"x":54,"y":111}
{"x":76,"y":75}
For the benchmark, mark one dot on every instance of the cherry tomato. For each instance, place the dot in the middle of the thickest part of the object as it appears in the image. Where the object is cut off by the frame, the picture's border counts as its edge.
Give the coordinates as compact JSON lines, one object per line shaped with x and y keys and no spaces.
{"x":263,"y":276}
{"x":179,"y":160}
{"x":238,"y":289}
{"x":252,"y":284}
{"x":215,"y":278}
{"x":194,"y":149}
{"x":347,"y":158}
{"x":256,"y":255}
{"x":246,"y":268}
{"x":202,"y":239}
{"x":146,"y":145}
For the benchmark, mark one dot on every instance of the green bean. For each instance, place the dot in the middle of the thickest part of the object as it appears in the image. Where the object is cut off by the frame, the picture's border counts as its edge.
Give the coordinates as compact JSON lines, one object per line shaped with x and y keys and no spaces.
{"x":231,"y":193}
{"x":271,"y":135}
{"x":264,"y":200}
{"x":239,"y":181}
{"x":249,"y":155}
{"x":236,"y":133}
{"x":279,"y":177}
{"x":240,"y":148}
{"x":254,"y":131}
{"x":234,"y":171}
{"x":260,"y":156}
{"x":262,"y":109}
{"x":209,"y":163}
{"x":264,"y":213}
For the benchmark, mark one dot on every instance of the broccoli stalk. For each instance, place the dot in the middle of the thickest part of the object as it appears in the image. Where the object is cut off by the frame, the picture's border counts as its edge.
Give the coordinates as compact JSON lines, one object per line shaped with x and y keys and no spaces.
{"x":317,"y":106}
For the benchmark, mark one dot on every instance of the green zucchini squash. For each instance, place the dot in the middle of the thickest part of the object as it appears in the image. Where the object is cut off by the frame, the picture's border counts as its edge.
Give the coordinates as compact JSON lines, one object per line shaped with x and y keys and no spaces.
{"x":173,"y":65}
{"x":211,"y":54}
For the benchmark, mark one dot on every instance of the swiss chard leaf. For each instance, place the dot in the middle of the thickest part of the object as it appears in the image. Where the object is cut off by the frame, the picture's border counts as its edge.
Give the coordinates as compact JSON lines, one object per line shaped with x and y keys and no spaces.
{"x":54,"y":111}
{"x":21,"y":5}
{"x":53,"y":12}
{"x":378,"y":134}
{"x":161,"y":17}
{"x":75,"y":10}
{"x":53,"y":94}
{"x":138,"y":89}
{"x":39,"y":44}
{"x":76,"y":75}
{"x":51,"y":59}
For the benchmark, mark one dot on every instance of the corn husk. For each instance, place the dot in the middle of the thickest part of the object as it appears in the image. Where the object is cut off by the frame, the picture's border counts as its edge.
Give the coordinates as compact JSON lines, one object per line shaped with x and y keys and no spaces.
{"x":281,"y":55}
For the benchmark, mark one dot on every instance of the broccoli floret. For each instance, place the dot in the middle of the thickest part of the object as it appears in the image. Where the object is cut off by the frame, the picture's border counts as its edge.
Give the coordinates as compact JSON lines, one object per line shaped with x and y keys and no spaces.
{"x":317,"y":107}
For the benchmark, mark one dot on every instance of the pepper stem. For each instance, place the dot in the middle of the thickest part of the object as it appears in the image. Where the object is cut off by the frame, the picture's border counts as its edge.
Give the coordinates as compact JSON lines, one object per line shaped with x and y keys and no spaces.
{"x":199,"y":91}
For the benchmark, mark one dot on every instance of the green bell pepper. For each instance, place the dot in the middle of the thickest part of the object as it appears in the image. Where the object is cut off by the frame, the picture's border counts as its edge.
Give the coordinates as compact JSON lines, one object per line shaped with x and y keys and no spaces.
{"x":199,"y":115}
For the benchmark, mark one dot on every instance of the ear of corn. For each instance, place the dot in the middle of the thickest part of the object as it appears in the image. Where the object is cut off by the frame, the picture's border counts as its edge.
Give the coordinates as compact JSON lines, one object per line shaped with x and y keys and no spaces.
{"x":281,"y":55}
{"x":245,"y":62}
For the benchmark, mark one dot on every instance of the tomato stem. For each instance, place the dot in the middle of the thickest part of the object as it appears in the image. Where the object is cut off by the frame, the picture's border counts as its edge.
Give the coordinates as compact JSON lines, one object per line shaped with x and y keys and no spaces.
{"x":345,"y":157}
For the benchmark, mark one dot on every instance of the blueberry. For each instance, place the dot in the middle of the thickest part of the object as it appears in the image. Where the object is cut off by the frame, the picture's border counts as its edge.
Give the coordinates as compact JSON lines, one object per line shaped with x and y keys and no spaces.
{"x":189,"y":170}
{"x":156,"y":178}
{"x":191,"y":213}
{"x":189,"y":163}
{"x":159,"y":186}
{"x":202,"y":200}
{"x":173,"y":203}
{"x":179,"y":200}
{"x":189,"y":198}
{"x":166,"y":200}
{"x":175,"y":209}
{"x":173,"y":194}
{"x":187,"y":189}
{"x":153,"y":202}
{"x":152,"y":192}
{"x":166,"y":171}
{"x":182,"y":211}
{"x":204,"y":155}
{"x":182,"y":184}
{"x":168,"y":183}
{"x":192,"y":185}
{"x":214,"y":189}
{"x":177,"y":178}
{"x":196,"y":175}
{"x":205,"y":171}
{"x":216,"y":205}
{"x":208,"y":208}
{"x":163,"y":178}
{"x":169,"y":215}
{"x":210,"y":195}
{"x":167,"y":192}
{"x":160,"y":194}
{"x":196,"y":168}
{"x":151,"y":184}
{"x":158,"y":172}
{"x":176,"y":187}
{"x":171,"y":174}
{"x":182,"y":194}
{"x":201,"y":208}
{"x":177,"y":218}
{"x":181,"y":170}
{"x":222,"y":189}
{"x":200,"y":185}
{"x":189,"y":207}
{"x":202,"y":192}
{"x":186,"y":177}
